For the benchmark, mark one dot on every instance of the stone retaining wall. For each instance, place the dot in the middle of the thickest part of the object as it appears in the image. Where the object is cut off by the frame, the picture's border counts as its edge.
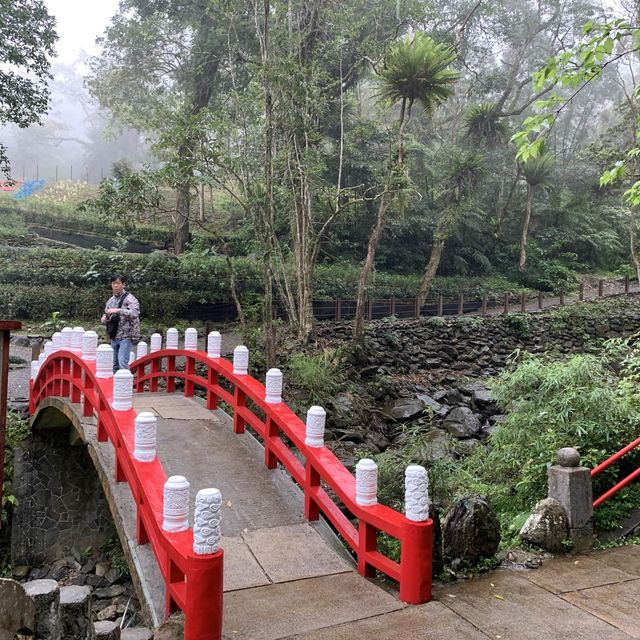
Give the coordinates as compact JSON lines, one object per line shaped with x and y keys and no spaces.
{"x":60,"y":502}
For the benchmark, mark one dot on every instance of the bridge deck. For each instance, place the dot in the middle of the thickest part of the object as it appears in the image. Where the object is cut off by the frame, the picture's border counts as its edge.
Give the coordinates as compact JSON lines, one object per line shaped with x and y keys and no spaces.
{"x":277,"y":566}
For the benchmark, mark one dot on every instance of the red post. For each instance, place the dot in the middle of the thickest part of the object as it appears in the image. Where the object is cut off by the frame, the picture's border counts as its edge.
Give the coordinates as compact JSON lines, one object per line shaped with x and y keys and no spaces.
{"x":171,"y":368}
{"x":76,"y":386}
{"x":270,"y":460}
{"x":240,"y":399}
{"x":189,"y":370}
{"x":203,"y":602}
{"x":416,"y":562}
{"x":155,"y":368}
{"x":311,"y":480}
{"x":5,"y":334}
{"x":367,"y":542}
{"x":212,"y":398}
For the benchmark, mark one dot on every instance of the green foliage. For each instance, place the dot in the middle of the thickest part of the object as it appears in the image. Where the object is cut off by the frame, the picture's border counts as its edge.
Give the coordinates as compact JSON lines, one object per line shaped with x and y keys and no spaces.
{"x":520,"y":323}
{"x":113,"y":550}
{"x":27,"y":36}
{"x":551,"y":403}
{"x":418,"y":70}
{"x":318,"y":377}
{"x":17,"y":430}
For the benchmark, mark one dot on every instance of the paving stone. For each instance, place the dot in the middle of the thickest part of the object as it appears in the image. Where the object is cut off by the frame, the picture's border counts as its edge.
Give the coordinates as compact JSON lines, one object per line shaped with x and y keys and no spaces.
{"x":294,"y":552}
{"x":432,"y":621}
{"x":508,"y":605}
{"x":570,"y":573}
{"x":290,"y":608}
{"x":241,"y":569}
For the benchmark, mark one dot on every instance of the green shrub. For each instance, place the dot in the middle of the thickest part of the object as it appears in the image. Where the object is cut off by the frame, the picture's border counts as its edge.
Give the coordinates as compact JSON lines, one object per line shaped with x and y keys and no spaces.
{"x":317,"y":377}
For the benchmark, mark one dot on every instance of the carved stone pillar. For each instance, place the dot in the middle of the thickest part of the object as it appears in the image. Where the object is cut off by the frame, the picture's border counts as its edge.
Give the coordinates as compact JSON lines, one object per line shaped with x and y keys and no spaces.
{"x":104,"y":361}
{"x":156,"y":342}
{"x":172,"y":338}
{"x":191,"y":339}
{"x":175,"y":508}
{"x":214,"y":343}
{"x":76,"y":339}
{"x":316,"y":419}
{"x":416,"y":493}
{"x":241,"y":360}
{"x":142,"y":349}
{"x":89,"y":345}
{"x":366,"y":482}
{"x":122,"y":390}
{"x":273,"y":387}
{"x":145,"y":436}
{"x":65,"y":338}
{"x":206,"y":521}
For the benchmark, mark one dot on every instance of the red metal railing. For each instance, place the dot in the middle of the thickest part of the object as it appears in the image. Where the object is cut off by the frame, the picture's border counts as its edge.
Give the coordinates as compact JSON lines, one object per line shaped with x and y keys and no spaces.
{"x":622,"y":483}
{"x":193,"y":582}
{"x":320,"y":471}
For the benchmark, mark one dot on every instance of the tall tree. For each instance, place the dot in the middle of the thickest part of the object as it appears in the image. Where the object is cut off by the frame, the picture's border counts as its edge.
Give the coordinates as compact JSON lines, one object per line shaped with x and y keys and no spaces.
{"x":415,"y":70}
{"x":27,"y":36}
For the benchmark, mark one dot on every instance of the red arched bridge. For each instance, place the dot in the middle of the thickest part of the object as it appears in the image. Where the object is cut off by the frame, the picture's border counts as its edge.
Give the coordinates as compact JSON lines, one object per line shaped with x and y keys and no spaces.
{"x":151,"y":446}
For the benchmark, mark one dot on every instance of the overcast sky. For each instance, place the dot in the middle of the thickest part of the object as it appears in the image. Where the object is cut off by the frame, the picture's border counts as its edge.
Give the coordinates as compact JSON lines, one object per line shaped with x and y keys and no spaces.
{"x":79,"y":22}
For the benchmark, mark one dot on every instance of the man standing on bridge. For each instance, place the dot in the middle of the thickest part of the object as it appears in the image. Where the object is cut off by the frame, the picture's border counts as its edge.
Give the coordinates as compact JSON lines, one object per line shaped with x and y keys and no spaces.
{"x":122,"y":321}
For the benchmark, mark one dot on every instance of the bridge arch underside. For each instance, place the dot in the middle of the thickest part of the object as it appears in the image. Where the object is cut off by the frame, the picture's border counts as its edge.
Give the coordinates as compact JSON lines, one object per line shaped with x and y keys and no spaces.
{"x":67,"y":497}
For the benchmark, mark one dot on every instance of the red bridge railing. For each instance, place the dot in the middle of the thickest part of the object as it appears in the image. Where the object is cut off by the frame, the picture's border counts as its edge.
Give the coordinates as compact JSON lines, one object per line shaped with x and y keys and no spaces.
{"x":320,"y":474}
{"x":193,"y":582}
{"x":622,"y":483}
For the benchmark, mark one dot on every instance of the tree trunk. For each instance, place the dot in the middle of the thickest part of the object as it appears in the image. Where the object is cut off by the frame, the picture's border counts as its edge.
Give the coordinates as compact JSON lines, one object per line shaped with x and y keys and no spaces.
{"x":374,"y":241}
{"x":181,"y":232}
{"x":525,"y":228}
{"x":632,"y":240}
{"x":430,"y":271}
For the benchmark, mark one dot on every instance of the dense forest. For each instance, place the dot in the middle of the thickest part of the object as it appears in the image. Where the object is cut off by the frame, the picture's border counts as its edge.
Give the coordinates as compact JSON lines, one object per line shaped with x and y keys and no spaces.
{"x":404,"y":137}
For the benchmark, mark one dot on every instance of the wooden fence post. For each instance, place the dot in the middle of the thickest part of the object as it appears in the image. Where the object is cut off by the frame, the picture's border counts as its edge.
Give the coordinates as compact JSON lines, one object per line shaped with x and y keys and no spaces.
{"x":440,"y":305}
{"x":626,"y":284}
{"x":484,"y":304}
{"x":581,"y":292}
{"x":600,"y":288}
{"x":461,"y":304}
{"x":562,"y":298}
{"x":338,"y":308}
{"x":370,"y":309}
{"x":540,"y":302}
{"x":392,"y":306}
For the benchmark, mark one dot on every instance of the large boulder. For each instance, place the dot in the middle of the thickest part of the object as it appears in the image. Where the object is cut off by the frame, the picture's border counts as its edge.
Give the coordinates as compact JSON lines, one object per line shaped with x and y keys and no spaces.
{"x":471,"y":531}
{"x":403,"y":409}
{"x":461,"y":422}
{"x":547,"y":526}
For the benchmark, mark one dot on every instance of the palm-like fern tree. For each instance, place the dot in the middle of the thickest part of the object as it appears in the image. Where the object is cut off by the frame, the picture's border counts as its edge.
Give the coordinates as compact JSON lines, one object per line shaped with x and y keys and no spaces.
{"x":483,"y":124}
{"x":416,"y":70}
{"x":537,"y":172}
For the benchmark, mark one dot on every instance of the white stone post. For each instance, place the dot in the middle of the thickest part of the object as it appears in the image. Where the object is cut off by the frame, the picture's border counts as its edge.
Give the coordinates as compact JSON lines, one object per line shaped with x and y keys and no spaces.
{"x":366,"y":482}
{"x":416,"y":493}
{"x":35,"y":367}
{"x":206,"y":521}
{"x":241,"y":360}
{"x":273,"y":387}
{"x":122,"y":390}
{"x":132,"y":357}
{"x":316,"y":419}
{"x":156,"y":342}
{"x":41,"y":358}
{"x":76,"y":339}
{"x":89,"y":345}
{"x":145,"y":437}
{"x":104,"y":361}
{"x":175,"y":508}
{"x":191,"y":339}
{"x":48,"y":347}
{"x":65,"y":338}
{"x":214,"y":344}
{"x":56,"y":339}
{"x":142,"y":349}
{"x":172,"y":338}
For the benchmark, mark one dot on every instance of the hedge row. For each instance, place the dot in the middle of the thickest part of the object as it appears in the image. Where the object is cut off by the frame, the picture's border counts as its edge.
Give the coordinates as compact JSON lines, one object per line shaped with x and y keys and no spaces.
{"x":24,"y":302}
